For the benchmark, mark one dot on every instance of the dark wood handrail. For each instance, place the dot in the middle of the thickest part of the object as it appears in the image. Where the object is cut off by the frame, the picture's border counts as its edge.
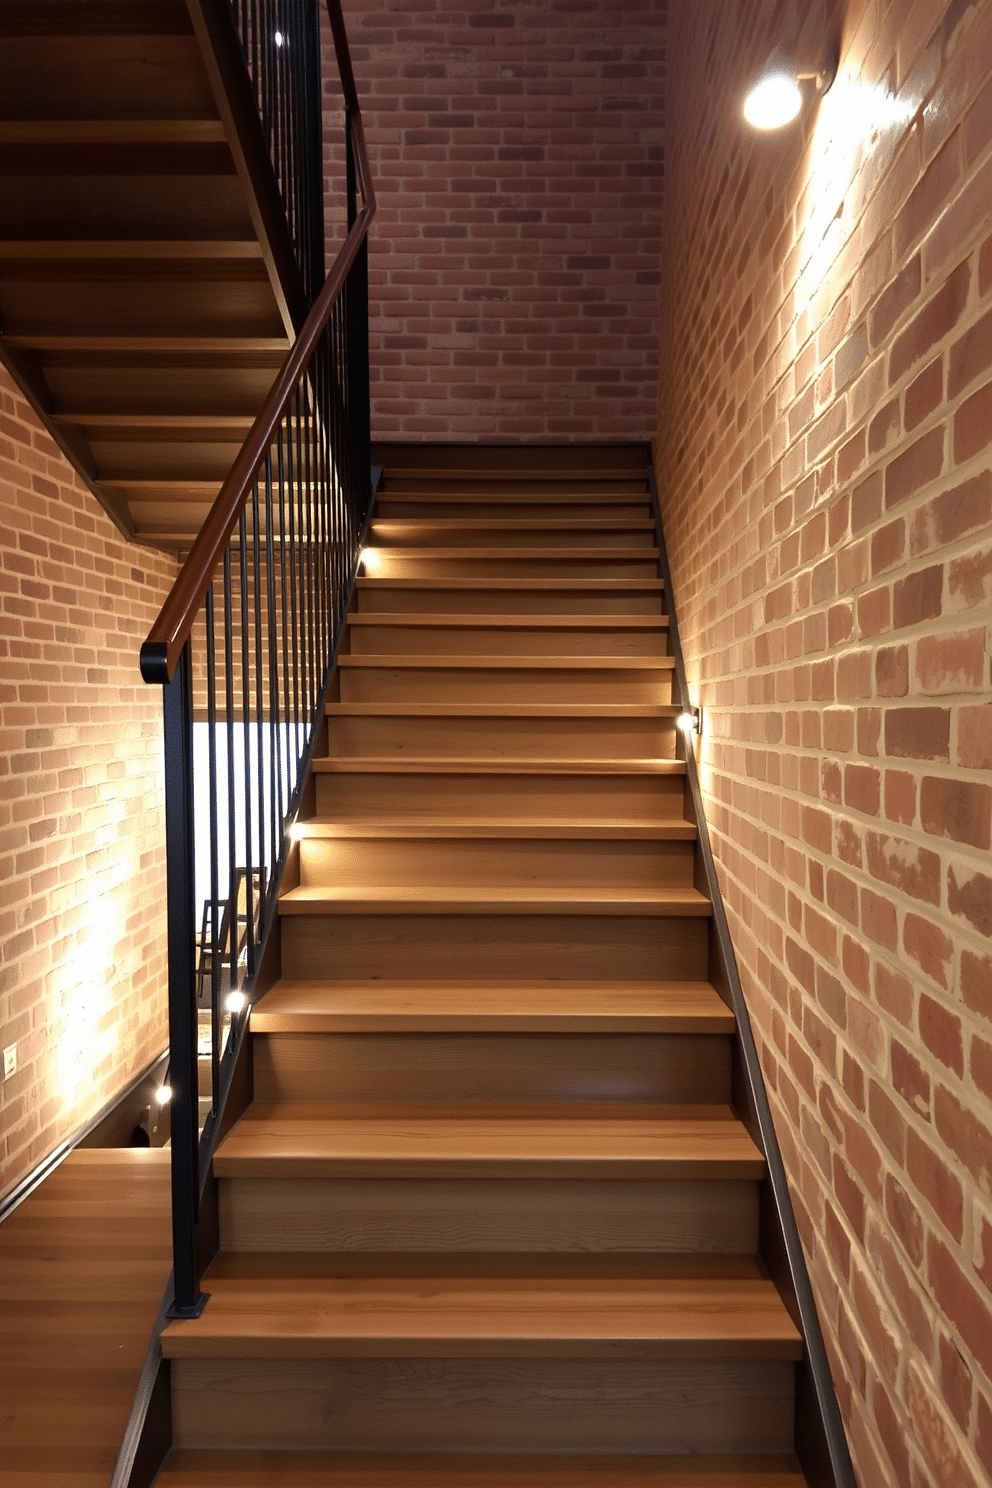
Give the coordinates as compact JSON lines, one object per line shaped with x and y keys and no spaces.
{"x":160,"y":651}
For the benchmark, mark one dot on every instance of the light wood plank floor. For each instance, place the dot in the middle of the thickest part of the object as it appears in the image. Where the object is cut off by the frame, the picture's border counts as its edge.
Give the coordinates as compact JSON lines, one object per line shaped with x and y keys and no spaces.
{"x":83,"y":1265}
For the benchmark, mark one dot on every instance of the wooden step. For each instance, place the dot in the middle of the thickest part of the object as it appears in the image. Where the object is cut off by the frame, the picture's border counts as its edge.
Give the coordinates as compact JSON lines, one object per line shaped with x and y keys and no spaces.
{"x":562,"y":942}
{"x":491,"y":1215}
{"x":389,"y":534}
{"x":230,"y":1468}
{"x":472,"y":864}
{"x":412,"y":827}
{"x":499,"y":1405}
{"x":332,"y":1307}
{"x":636,"y":635}
{"x":519,"y":595}
{"x":498,"y":1069}
{"x":567,"y":679}
{"x":492,"y":1007}
{"x":512,"y":899}
{"x":525,"y":790}
{"x":509,"y":504}
{"x":545,"y":562}
{"x":625,"y":1144}
{"x":490,"y":731}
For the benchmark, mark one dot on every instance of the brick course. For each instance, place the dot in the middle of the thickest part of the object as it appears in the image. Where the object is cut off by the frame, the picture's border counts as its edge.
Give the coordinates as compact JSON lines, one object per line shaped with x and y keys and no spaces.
{"x":517,"y":158}
{"x":823,"y":448}
{"x":82,"y":985}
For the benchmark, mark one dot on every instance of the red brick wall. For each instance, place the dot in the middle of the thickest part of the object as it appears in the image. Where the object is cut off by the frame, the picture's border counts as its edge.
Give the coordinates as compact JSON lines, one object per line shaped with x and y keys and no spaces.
{"x":517,"y":156}
{"x":82,"y":981}
{"x":824,"y":455}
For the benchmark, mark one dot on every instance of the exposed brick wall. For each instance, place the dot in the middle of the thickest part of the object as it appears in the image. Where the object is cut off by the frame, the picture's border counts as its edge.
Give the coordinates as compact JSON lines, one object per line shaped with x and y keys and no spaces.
{"x":82,"y":981}
{"x":517,"y":157}
{"x":824,"y":454}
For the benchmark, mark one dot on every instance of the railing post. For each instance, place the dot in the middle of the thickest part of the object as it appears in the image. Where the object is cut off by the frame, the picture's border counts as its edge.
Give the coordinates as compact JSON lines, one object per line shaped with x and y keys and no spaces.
{"x":188,"y":1300}
{"x":357,"y":323}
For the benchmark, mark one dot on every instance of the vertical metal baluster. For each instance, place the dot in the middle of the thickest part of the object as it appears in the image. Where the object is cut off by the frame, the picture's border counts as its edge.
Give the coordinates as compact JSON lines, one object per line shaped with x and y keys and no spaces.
{"x":178,"y":723}
{"x":232,"y":845}
{"x":284,"y":607}
{"x":277,"y":814}
{"x":209,"y":620}
{"x":259,"y":718}
{"x":246,"y":741}
{"x":294,"y":592}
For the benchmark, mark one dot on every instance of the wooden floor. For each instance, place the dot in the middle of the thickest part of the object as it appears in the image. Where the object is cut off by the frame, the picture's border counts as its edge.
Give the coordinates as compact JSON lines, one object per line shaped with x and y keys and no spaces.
{"x":83,"y":1265}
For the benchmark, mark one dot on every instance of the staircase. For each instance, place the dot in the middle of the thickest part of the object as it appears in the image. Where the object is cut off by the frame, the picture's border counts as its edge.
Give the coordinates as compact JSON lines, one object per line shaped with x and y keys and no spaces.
{"x":148,"y":287}
{"x":491,"y":1220}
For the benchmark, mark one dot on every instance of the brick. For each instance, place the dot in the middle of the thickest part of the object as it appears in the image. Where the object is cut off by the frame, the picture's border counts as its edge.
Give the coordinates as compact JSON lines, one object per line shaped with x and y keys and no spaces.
{"x":976,"y":983}
{"x":929,"y":947}
{"x":918,"y":733}
{"x":918,"y":597}
{"x":969,"y":896}
{"x":971,"y":431}
{"x":933,"y":323}
{"x":965,"y":508}
{"x":915,"y":469}
{"x":958,"y":809}
{"x":975,"y":737}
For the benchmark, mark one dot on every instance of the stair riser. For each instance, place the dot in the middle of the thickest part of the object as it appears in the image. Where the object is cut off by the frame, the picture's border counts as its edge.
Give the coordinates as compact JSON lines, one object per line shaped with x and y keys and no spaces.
{"x":478,"y":1215}
{"x":424,"y":640}
{"x":405,"y":564}
{"x":621,"y":798}
{"x":493,"y":1068}
{"x":496,"y":863}
{"x":504,"y":510}
{"x":426,"y":684}
{"x":482,"y":1405}
{"x":402,"y":537}
{"x":377,"y":599}
{"x":125,"y":77}
{"x":607,"y":947}
{"x":553,"y":487}
{"x":505,"y":738}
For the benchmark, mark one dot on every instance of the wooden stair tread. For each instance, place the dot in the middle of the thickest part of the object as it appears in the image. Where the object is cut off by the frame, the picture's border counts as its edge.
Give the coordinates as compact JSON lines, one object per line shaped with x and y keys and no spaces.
{"x":606,"y":554}
{"x":556,"y":585}
{"x":502,"y":710}
{"x":233,"y":1468}
{"x":367,"y":1311}
{"x":524,"y":899}
{"x":302,"y":1141}
{"x":470,"y":473}
{"x":15,"y":132}
{"x":547,"y":1007}
{"x":483,"y":765}
{"x":425,"y":619}
{"x":127,"y":248}
{"x":611,"y":586}
{"x":516,"y":663}
{"x":414,"y":825}
{"x":415,"y":525}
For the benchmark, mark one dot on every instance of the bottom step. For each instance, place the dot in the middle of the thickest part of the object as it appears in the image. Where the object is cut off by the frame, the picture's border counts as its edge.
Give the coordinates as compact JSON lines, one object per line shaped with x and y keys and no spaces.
{"x":240,"y":1469}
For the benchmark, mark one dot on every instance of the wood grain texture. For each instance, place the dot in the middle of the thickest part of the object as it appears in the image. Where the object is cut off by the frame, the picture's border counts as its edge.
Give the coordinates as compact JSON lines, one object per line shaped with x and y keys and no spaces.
{"x":509,"y":1007}
{"x":233,"y":1469}
{"x":83,"y":1266}
{"x":551,"y":1405}
{"x":302,"y":1141}
{"x":490,"y":1216}
{"x":488,"y":1067}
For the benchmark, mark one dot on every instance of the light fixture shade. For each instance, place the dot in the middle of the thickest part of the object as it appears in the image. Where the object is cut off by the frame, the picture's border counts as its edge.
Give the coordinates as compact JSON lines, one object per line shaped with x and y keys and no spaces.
{"x":774,"y":100}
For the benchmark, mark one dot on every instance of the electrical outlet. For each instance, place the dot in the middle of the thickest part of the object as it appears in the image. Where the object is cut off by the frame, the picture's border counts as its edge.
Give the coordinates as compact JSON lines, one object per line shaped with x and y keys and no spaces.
{"x":9,"y":1061}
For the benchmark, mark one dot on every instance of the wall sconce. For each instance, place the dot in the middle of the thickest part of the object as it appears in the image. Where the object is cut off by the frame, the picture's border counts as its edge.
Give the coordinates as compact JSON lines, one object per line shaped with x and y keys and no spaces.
{"x":691,"y":721}
{"x":775,"y":98}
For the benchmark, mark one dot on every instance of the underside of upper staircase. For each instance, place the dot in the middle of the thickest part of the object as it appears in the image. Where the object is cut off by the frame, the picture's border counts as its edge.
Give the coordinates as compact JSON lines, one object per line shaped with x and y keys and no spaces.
{"x":148,"y":289}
